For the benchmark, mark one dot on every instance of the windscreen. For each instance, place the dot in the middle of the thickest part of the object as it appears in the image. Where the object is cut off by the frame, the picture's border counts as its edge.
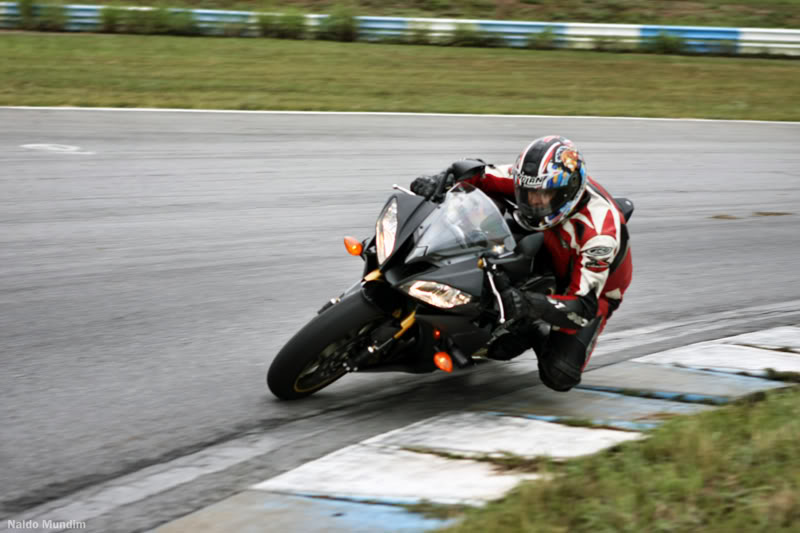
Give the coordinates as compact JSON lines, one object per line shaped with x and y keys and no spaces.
{"x":467,"y":221}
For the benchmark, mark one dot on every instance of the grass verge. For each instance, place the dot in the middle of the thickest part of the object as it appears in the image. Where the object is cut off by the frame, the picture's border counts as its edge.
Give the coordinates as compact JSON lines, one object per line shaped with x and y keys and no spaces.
{"x":195,"y":72}
{"x":736,"y":468}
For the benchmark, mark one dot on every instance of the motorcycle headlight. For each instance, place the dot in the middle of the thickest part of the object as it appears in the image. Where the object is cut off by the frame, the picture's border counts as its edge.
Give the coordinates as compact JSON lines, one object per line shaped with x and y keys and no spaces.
{"x":437,"y":294}
{"x":386,"y":230}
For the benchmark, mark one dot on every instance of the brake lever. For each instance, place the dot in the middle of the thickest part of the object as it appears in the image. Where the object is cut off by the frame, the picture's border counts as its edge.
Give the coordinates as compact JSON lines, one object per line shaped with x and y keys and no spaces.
{"x":491,"y":269}
{"x":399,"y":188}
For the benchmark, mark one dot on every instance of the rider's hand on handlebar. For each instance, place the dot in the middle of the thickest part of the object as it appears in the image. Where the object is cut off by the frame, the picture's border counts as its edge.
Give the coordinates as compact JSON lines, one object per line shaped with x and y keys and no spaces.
{"x":432,"y":187}
{"x":518,"y":306}
{"x":425,"y":186}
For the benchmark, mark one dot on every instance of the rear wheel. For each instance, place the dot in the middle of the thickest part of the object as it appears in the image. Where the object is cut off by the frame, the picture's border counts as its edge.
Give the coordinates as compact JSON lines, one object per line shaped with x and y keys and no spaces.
{"x":314,"y":358}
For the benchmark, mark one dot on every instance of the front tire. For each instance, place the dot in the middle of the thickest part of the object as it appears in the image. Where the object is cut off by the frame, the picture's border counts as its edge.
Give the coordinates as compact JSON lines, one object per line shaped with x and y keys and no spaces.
{"x":314,"y":357}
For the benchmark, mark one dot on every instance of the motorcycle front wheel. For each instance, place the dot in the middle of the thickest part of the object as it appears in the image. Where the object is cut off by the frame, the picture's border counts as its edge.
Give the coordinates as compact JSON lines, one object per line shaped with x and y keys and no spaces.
{"x":314,"y":358}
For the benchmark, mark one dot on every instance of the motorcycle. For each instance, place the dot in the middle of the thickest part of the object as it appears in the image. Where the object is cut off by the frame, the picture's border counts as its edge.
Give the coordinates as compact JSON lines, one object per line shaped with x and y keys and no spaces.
{"x":429,"y":297}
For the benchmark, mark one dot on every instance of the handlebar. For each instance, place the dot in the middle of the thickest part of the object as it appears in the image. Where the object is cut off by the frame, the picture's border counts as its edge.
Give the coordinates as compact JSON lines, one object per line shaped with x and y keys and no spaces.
{"x":399,"y":188}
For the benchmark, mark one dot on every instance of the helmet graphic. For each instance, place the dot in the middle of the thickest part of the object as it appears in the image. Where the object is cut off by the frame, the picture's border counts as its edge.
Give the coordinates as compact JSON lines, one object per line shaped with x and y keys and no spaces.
{"x":549,"y":180}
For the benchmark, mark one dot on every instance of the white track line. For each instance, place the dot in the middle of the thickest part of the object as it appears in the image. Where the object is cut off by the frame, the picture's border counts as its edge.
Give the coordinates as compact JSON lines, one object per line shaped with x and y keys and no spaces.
{"x":630,"y":338}
{"x":383,"y":113}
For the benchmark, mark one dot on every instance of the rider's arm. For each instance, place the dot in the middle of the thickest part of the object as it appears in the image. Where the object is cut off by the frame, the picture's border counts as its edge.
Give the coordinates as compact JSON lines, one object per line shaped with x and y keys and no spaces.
{"x":495,"y":180}
{"x":488,"y":178}
{"x":592,"y":256}
{"x":565,"y":311}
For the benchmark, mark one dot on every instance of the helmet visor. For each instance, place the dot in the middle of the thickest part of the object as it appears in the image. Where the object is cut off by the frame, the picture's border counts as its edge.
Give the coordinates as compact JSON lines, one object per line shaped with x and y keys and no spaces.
{"x":540,"y":202}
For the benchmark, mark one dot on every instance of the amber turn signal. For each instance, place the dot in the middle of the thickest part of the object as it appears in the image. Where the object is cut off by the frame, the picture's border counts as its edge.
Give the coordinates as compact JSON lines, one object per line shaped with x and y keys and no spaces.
{"x":353,"y":245}
{"x":443,"y":362}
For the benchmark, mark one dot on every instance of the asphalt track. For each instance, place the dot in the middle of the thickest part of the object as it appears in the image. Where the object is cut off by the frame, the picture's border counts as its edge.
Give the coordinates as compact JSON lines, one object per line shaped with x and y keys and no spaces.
{"x":148,"y":277}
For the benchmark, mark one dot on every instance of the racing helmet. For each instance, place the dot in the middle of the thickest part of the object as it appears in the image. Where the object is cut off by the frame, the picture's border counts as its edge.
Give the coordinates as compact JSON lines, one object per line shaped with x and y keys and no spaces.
{"x":549,"y":180}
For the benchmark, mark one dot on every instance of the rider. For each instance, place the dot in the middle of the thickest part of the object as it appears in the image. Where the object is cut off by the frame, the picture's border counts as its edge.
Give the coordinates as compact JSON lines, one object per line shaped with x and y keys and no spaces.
{"x":585,"y":237}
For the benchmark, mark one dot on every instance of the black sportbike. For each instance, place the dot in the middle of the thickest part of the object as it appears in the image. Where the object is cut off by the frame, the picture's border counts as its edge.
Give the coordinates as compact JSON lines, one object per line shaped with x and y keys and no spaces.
{"x":429,"y":298}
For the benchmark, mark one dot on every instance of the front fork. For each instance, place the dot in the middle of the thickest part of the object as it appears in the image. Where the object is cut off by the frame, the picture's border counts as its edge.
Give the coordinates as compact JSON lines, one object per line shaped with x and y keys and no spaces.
{"x":375,"y":349}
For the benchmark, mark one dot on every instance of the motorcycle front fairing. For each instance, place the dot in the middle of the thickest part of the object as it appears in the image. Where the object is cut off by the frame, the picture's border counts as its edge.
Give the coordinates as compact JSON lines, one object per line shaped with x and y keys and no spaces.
{"x":410,"y":211}
{"x":424,"y":253}
{"x":444,"y":252}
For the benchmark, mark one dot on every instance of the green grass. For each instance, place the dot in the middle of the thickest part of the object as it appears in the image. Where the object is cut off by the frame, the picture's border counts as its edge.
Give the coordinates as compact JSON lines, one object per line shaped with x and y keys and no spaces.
{"x":741,"y":13}
{"x":195,"y":72}
{"x":733,"y":469}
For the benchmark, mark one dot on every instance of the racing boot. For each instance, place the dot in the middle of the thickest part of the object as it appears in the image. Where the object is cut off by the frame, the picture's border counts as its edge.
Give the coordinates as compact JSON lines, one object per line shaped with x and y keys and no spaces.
{"x":512,"y":345}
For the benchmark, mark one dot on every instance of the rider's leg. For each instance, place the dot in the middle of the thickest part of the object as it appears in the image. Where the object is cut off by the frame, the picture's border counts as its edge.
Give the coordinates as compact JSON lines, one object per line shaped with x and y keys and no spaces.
{"x":565,"y":355}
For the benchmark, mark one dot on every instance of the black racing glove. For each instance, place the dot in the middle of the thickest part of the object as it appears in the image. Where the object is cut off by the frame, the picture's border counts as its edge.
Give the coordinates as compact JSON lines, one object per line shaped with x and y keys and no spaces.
{"x":429,"y":186}
{"x":525,"y":307}
{"x":434,"y":187}
{"x":520,"y":307}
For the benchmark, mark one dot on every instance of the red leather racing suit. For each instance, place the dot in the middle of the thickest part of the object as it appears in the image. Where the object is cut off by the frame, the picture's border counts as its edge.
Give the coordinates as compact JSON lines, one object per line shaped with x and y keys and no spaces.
{"x":592,"y":263}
